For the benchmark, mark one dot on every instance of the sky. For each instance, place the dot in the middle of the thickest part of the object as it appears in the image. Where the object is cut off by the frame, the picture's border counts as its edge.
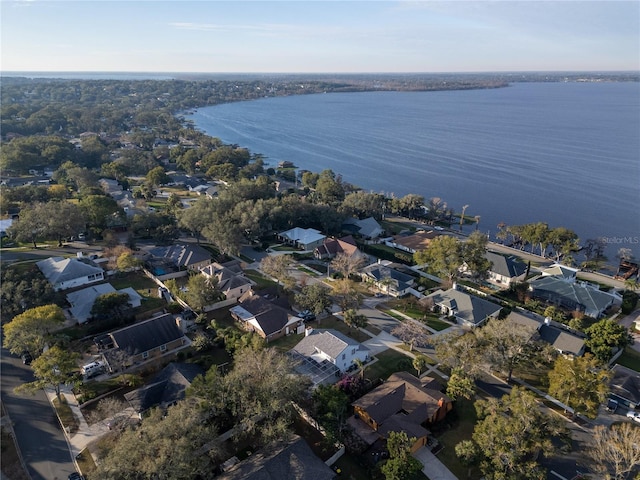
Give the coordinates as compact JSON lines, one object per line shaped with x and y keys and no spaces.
{"x":328,"y":36}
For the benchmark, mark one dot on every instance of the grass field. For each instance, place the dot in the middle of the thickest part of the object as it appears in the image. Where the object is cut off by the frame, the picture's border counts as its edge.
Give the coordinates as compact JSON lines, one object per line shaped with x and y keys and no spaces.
{"x":261,"y":281}
{"x":389,"y":361}
{"x":68,"y":419}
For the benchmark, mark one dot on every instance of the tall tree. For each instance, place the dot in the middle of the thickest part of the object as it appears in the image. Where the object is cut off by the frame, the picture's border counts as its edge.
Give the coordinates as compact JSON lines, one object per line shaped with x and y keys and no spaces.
{"x":460,"y":385}
{"x":202,"y":291}
{"x":474,"y":251}
{"x":277,"y":266}
{"x":112,"y":304}
{"x":512,"y":435}
{"x":52,"y":369}
{"x":347,"y":294}
{"x":420,"y":362}
{"x":347,"y":265}
{"x":460,"y":352}
{"x":412,"y":333}
{"x":314,"y":298}
{"x":604,"y":337}
{"x":198,"y":216}
{"x":353,"y":319}
{"x":580,"y":383}
{"x":615,"y":451}
{"x":507,"y":345}
{"x":32,"y":329}
{"x":400,"y":465}
{"x":443,"y":257}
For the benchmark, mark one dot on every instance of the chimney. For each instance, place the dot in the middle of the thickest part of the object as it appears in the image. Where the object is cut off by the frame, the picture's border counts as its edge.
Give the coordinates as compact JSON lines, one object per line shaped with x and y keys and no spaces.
{"x":454,"y":286}
{"x":547,"y":320}
{"x":307,"y":331}
{"x":181,"y":324}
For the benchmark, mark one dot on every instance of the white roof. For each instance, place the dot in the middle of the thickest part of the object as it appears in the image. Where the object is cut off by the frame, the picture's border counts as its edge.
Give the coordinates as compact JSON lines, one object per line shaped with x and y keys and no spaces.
{"x":82,"y":300}
{"x":303,"y":235}
{"x":58,"y":269}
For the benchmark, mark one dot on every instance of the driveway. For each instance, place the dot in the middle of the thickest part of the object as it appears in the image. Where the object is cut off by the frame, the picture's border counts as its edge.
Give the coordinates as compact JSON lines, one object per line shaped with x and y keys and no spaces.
{"x":432,"y":467}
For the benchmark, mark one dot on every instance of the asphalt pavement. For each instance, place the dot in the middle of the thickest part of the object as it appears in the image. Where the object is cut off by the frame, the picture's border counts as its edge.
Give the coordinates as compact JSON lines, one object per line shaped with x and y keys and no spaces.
{"x":38,"y":433}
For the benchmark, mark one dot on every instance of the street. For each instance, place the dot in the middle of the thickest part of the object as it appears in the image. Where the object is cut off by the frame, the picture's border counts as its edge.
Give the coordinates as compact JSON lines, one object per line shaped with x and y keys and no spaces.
{"x":38,"y":433}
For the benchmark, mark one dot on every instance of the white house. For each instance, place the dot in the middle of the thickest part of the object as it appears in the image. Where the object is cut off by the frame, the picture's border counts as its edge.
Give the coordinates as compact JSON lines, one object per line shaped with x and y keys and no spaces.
{"x":303,"y":238}
{"x":64,"y":273}
{"x":82,"y":301}
{"x":330,"y":346}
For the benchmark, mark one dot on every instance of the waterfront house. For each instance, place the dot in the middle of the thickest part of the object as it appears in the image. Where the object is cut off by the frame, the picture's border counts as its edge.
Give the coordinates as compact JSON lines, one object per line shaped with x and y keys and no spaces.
{"x":413,"y":243}
{"x":367,"y":228}
{"x":504,"y":270}
{"x":388,"y":279}
{"x":333,"y":246}
{"x":558,"y":335}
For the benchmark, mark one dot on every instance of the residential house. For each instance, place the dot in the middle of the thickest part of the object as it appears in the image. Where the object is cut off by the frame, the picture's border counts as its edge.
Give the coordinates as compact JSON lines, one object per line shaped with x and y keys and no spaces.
{"x":65,"y":273}
{"x":367,"y":228}
{"x":560,"y":271}
{"x":468,"y":310}
{"x":323,"y":354}
{"x":270,"y":321}
{"x":413,"y":243}
{"x":505,"y":271}
{"x":404,"y":403}
{"x":302,"y":238}
{"x":625,"y":386}
{"x":573,"y":296}
{"x":388,"y":279}
{"x":166,"y":388}
{"x":334,"y":246}
{"x":82,"y":301}
{"x":145,"y":340}
{"x":282,"y":460}
{"x":183,"y":256}
{"x":559,"y":336}
{"x":228,"y":280}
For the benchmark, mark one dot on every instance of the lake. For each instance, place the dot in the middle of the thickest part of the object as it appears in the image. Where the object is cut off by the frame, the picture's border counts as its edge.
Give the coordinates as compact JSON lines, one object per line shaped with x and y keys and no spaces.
{"x":564,"y":153}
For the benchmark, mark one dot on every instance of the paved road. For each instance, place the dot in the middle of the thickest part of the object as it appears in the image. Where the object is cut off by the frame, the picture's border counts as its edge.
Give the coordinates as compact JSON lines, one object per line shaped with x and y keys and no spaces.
{"x":20,"y":255}
{"x":38,"y":433}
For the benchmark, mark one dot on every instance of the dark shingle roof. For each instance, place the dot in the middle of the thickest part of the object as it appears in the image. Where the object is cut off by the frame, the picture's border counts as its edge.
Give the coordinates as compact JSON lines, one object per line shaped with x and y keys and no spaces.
{"x":626,"y":383}
{"x":293,"y":460}
{"x":166,"y":388}
{"x":147,"y":335}
{"x":508,"y":267}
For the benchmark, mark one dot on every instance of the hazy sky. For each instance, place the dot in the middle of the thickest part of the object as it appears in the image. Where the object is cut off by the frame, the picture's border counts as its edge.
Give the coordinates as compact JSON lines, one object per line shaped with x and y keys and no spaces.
{"x":319,"y":36}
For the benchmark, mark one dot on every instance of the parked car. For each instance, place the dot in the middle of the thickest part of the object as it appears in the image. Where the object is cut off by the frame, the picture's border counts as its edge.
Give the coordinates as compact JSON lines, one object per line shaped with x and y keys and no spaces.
{"x":306,"y":315}
{"x":75,"y":476}
{"x":612,"y":405}
{"x":26,"y":358}
{"x":633,"y":415}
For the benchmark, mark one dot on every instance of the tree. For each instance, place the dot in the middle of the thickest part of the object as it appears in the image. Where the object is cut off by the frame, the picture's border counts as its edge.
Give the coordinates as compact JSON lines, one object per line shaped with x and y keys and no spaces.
{"x":460,"y":352}
{"x":420,"y":362}
{"x":329,"y":188}
{"x":615,"y":451}
{"x":412,"y":333}
{"x":157,"y":176}
{"x":277,"y":267}
{"x":164,"y":446}
{"x":331,"y":406}
{"x":579,"y":383}
{"x":460,"y":385}
{"x":32,"y":329}
{"x":112,"y":304}
{"x":98,"y":209}
{"x":55,"y":219}
{"x":127,"y":261}
{"x":202,"y":291}
{"x":474,"y":251}
{"x":401,"y":465}
{"x":347,"y":294}
{"x":347,"y":265}
{"x":353,"y":319}
{"x":467,"y":452}
{"x":512,"y":434}
{"x":464,"y":209}
{"x":443,"y":257}
{"x":507,"y":345}
{"x":199,"y":215}
{"x":563,"y":241}
{"x":314,"y":298}
{"x":604,"y":337}
{"x":22,"y":289}
{"x":52,"y":368}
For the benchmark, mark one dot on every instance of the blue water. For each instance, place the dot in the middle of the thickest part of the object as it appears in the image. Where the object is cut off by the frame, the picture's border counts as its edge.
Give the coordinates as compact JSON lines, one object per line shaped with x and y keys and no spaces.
{"x":564,"y":153}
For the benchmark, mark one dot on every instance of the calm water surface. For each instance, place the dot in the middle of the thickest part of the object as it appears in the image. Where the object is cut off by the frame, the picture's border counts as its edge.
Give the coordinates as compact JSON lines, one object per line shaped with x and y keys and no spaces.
{"x":564,"y":153}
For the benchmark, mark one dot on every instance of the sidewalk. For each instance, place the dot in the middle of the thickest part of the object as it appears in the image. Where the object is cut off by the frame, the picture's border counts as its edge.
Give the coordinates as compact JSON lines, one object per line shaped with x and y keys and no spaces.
{"x":86,"y":433}
{"x":432,"y":467}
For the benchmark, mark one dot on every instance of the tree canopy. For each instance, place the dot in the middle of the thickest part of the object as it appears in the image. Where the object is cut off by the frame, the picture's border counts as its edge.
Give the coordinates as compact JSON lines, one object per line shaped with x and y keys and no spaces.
{"x":30,"y":330}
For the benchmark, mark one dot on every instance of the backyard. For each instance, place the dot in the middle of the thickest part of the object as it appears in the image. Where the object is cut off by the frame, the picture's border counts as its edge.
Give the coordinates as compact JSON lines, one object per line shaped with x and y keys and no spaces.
{"x":389,"y":361}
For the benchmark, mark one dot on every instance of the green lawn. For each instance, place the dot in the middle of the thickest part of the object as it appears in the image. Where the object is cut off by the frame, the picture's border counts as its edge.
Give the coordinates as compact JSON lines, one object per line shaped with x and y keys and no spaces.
{"x":460,"y":423}
{"x":389,"y":361}
{"x":308,"y":272}
{"x":284,"y":248}
{"x":630,"y":359}
{"x":261,"y":281}
{"x":286,"y":343}
{"x":68,"y":419}
{"x":337,"y":324}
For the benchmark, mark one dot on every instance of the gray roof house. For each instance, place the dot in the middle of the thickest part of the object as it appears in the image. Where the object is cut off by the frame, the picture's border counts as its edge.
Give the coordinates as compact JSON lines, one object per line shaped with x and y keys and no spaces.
{"x":145,"y":340}
{"x":183,"y":255}
{"x":625,"y":386}
{"x":368,"y":227}
{"x":284,"y":460}
{"x":572,"y":296}
{"x":229,"y":281}
{"x":469,"y":310}
{"x":64,"y":273}
{"x":559,"y":336}
{"x":166,"y":388}
{"x":324,"y":353}
{"x":303,"y":238}
{"x":388,"y":279}
{"x":268,"y":320}
{"x":505,"y":270}
{"x":82,"y":301}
